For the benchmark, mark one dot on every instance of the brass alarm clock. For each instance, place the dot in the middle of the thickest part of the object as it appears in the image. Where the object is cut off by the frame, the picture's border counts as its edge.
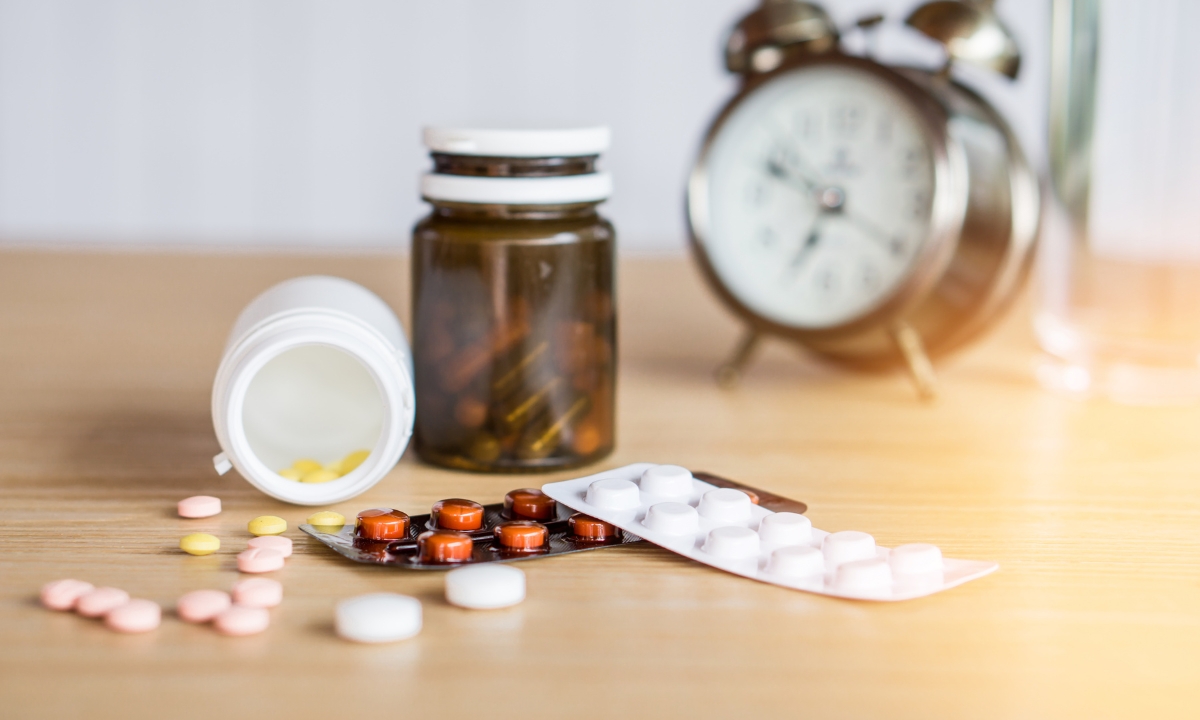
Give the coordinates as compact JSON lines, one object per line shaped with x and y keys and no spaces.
{"x":877,"y":215}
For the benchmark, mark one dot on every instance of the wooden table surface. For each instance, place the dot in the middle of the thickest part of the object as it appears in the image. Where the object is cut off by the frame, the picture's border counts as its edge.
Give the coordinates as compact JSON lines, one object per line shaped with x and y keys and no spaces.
{"x":1091,"y":509}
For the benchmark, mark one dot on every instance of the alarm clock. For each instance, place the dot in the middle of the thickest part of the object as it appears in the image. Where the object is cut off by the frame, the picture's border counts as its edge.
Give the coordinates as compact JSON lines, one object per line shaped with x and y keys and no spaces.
{"x":879,"y":216}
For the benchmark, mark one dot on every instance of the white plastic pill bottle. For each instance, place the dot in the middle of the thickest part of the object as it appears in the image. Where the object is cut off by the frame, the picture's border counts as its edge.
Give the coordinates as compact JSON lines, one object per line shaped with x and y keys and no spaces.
{"x":315,"y":368}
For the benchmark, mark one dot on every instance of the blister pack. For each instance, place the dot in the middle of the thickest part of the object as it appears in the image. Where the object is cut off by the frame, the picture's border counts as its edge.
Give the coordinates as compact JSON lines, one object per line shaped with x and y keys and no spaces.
{"x":527,"y":525}
{"x":722,"y":527}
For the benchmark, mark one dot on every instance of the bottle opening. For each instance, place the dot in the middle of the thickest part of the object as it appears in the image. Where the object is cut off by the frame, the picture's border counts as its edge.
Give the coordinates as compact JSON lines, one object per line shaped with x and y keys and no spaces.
{"x":313,"y":414}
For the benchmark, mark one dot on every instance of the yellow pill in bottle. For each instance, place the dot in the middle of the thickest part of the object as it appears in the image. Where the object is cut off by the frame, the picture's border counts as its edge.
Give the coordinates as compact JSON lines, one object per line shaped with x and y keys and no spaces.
{"x":306,"y":466}
{"x":327,"y":519}
{"x":199,"y":544}
{"x":351,"y":462}
{"x":291,"y":473}
{"x":267,"y":525}
{"x":320,"y":476}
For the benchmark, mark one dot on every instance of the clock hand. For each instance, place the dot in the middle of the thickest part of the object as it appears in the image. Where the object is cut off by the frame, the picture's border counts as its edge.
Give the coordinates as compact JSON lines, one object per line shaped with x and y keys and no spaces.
{"x":877,"y":233}
{"x":806,"y":249}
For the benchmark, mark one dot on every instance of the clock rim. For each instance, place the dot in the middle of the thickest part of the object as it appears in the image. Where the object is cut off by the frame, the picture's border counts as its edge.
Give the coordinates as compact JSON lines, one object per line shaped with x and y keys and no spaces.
{"x":949,"y":205}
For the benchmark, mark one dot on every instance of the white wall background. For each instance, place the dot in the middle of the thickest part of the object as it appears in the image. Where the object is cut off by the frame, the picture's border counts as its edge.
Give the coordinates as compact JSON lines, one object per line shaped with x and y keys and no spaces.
{"x":292,"y":123}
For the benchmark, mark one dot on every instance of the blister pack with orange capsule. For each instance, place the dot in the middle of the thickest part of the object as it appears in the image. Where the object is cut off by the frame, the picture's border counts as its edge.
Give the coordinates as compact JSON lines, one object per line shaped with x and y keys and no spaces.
{"x":528,"y":524}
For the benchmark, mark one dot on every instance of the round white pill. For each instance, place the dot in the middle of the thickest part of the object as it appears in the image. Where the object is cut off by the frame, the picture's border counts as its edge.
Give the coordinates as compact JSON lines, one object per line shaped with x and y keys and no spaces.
{"x":915,"y":559}
{"x":785,"y":528}
{"x":863,"y":575}
{"x":732,"y":542}
{"x":378,"y":617}
{"x":847,"y":546}
{"x":485,"y":587}
{"x":672,"y":518}
{"x":614,"y":494}
{"x":725,"y":505}
{"x":796,"y":561}
{"x":667,"y":481}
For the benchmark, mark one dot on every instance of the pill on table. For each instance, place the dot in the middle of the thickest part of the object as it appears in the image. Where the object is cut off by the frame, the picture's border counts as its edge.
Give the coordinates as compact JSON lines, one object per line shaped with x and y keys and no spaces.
{"x":443,"y":546}
{"x":530,"y":504}
{"x":199,"y":544}
{"x":306,"y":465}
{"x":199,"y":506}
{"x":278,"y":543}
{"x":326,"y":519}
{"x":378,"y":617}
{"x":457,"y":514}
{"x":258,"y":592}
{"x":63,"y":594}
{"x":200,"y":606}
{"x":381,"y":524}
{"x":101,"y":601}
{"x":484,"y":587}
{"x":319,"y":476}
{"x":135,"y":616}
{"x":290,"y":474}
{"x":523,"y":535}
{"x":259,"y":560}
{"x":267,"y":525}
{"x":586,"y":527}
{"x":351,"y":462}
{"x":239,"y":620}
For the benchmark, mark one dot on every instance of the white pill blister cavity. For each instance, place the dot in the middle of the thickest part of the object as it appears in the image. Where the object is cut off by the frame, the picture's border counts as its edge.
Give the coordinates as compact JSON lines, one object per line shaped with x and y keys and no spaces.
{"x":614,"y":494}
{"x":667,"y":481}
{"x":785,"y":528}
{"x":378,"y":618}
{"x":485,"y":587}
{"x":672,"y":518}
{"x":727,"y":531}
{"x":725,"y":505}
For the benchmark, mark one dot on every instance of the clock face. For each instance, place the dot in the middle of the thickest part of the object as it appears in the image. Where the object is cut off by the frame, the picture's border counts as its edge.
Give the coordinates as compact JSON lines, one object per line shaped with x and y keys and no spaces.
{"x":819,"y":195}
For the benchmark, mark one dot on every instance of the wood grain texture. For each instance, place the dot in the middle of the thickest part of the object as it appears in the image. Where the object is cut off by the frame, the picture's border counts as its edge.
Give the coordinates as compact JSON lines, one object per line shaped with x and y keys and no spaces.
{"x":1092,"y":511}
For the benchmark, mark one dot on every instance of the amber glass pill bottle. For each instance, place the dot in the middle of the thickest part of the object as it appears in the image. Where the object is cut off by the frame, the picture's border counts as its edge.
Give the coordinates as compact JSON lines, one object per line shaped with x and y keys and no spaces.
{"x":513,"y":307}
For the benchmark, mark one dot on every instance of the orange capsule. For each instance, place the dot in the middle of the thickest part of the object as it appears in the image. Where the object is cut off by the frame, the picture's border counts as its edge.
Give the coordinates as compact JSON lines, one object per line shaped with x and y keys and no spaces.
{"x":523,"y":535}
{"x":381,"y":524}
{"x":530,"y":503}
{"x":441,"y":546}
{"x":586,"y":527}
{"x":457,"y":514}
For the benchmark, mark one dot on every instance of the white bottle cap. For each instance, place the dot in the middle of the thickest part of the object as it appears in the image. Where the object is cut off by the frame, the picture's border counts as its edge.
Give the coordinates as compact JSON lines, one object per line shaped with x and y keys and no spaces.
{"x":672,"y":518}
{"x":916,"y":558}
{"x":573,"y":142}
{"x":726,"y":505}
{"x":485,"y":587}
{"x":847,"y":546}
{"x":614,"y":494}
{"x":864,"y":575}
{"x":378,"y":617}
{"x":786,"y":528}
{"x":732,"y":542}
{"x":796,"y":561}
{"x":557,"y":190}
{"x":667,"y":481}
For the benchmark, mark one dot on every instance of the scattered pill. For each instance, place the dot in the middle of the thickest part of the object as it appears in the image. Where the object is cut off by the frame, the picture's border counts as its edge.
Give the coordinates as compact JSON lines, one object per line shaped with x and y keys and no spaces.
{"x":672,"y":518}
{"x":63,"y":594}
{"x":135,"y":616}
{"x":785,"y":528}
{"x":846,"y":546}
{"x":291,"y":474}
{"x":326,"y":519}
{"x":586,"y":527}
{"x":381,"y":524}
{"x":667,"y":481}
{"x":200,"y":606}
{"x":306,"y":466}
{"x":614,"y":494}
{"x":199,"y":506}
{"x":444,"y":546}
{"x":320,"y":476}
{"x":378,"y":617}
{"x":484,"y":587}
{"x":869,"y":575}
{"x":457,"y":514}
{"x":239,"y":620}
{"x":530,"y":504}
{"x":199,"y":544}
{"x":259,"y":560}
{"x":101,"y":601}
{"x":258,"y":592}
{"x":267,"y":525}
{"x":733,"y":542}
{"x":278,"y":543}
{"x":522,"y":535}
{"x":725,"y":505}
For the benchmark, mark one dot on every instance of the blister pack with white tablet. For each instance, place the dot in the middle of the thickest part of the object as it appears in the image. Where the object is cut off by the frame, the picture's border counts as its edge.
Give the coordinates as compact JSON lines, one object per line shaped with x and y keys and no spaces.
{"x":721,"y":527}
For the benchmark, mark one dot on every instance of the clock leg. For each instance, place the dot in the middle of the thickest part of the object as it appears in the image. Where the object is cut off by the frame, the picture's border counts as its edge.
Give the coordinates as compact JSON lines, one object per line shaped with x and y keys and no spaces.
{"x":729,"y":373}
{"x":919,"y":366}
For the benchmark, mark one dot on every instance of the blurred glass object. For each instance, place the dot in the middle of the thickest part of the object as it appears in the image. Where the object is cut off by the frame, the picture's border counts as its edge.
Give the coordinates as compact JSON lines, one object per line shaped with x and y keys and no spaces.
{"x":1119,"y":307}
